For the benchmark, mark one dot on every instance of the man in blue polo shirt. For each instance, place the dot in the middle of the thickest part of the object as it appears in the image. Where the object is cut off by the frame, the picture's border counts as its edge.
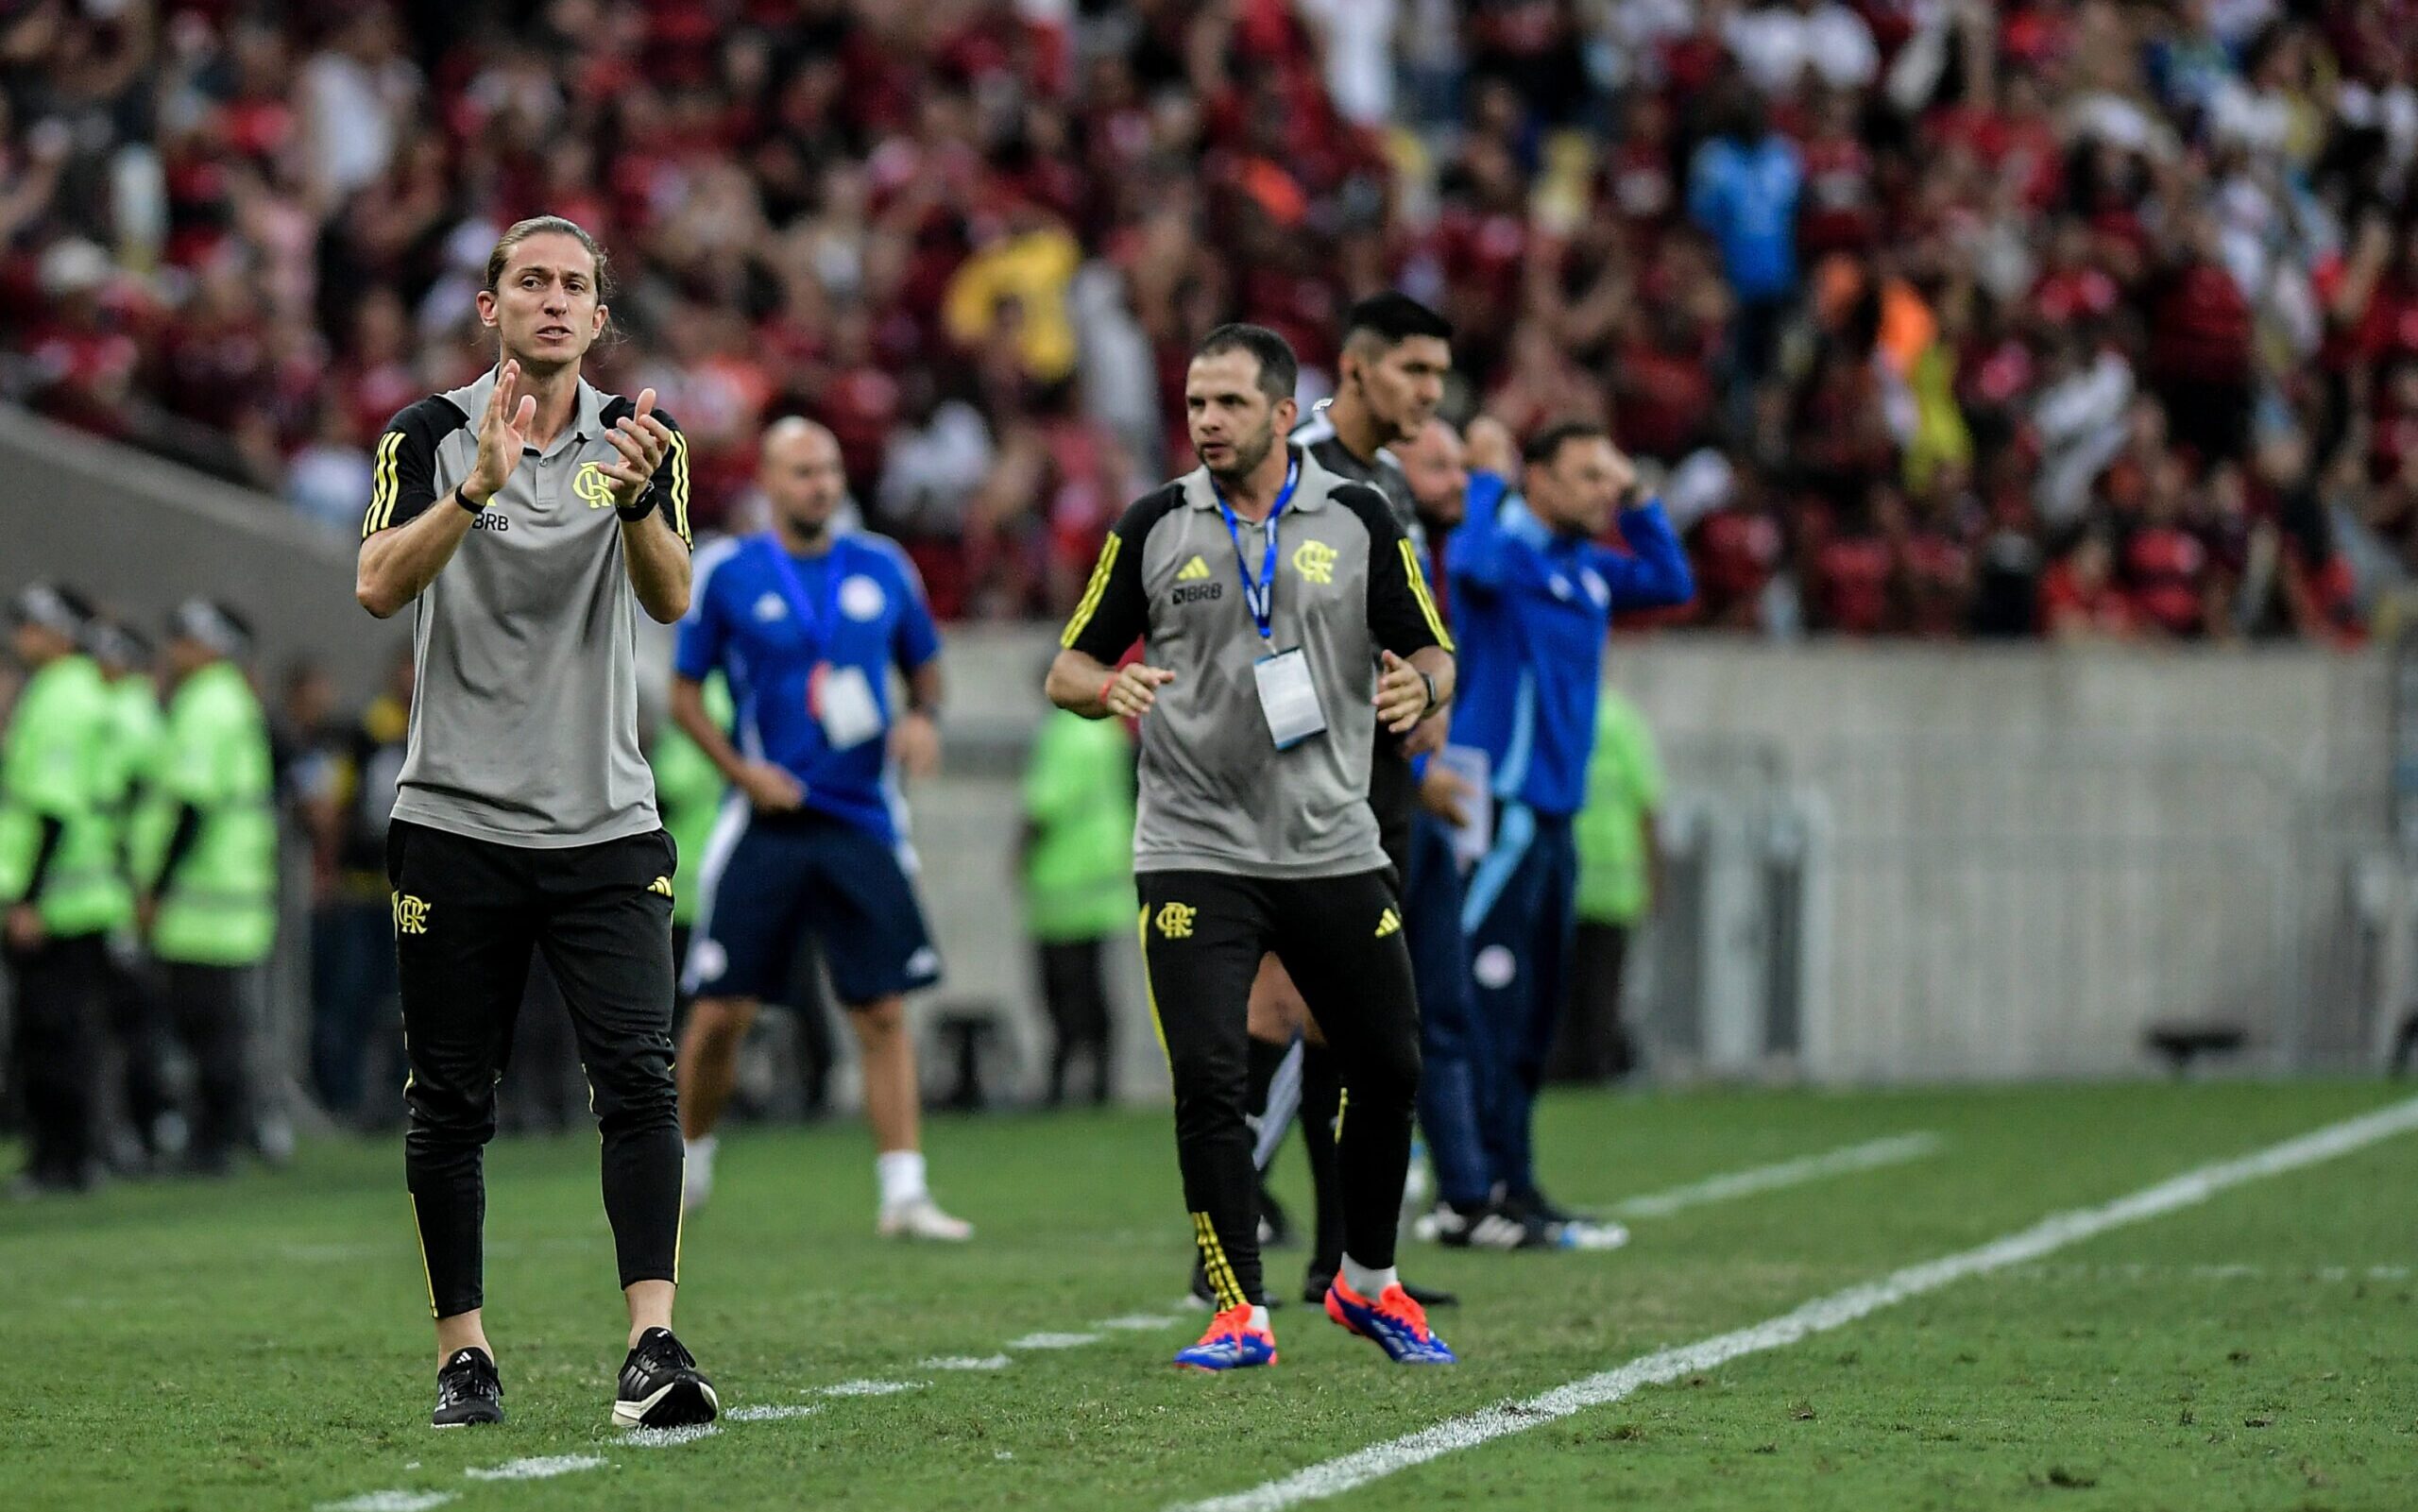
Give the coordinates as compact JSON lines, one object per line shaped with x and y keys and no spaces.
{"x":807,"y":626}
{"x":1533,"y":598}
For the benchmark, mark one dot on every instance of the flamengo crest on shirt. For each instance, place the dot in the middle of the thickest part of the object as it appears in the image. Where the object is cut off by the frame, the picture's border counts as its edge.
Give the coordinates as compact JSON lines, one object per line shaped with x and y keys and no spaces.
{"x":590,"y":484}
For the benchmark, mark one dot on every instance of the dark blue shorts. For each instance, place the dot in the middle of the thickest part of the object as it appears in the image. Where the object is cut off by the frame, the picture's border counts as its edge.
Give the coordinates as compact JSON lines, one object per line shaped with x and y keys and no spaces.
{"x":790,"y":874}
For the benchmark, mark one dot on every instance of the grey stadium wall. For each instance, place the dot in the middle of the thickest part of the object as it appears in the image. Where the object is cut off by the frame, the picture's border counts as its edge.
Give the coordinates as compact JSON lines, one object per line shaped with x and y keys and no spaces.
{"x":142,"y":535}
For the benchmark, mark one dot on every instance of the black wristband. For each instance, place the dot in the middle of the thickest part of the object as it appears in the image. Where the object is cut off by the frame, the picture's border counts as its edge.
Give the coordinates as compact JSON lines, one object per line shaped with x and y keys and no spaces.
{"x":464,"y":499}
{"x":632,"y":514}
{"x":1432,"y":702}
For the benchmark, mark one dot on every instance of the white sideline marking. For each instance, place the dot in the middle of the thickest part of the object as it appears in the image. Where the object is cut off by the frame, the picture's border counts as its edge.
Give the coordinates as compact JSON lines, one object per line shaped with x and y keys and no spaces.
{"x":388,"y":1501}
{"x":1895,"y":1150}
{"x":2051,"y":1234}
{"x":966,"y":1362}
{"x":541,"y":1468}
{"x":867,"y":1388}
{"x":1054,"y":1341}
{"x":1144,"y":1322}
{"x":772,"y":1412}
{"x":669,"y":1438}
{"x":2141,"y":1271}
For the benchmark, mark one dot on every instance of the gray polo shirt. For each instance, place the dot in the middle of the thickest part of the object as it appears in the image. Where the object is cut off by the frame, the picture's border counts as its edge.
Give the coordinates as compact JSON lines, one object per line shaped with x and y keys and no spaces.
{"x":1215,"y":794}
{"x":525,"y":720}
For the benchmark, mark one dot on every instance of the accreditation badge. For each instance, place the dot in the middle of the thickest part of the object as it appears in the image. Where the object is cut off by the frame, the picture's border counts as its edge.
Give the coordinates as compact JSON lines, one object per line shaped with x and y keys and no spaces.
{"x":844,"y":705}
{"x":1289,"y":699}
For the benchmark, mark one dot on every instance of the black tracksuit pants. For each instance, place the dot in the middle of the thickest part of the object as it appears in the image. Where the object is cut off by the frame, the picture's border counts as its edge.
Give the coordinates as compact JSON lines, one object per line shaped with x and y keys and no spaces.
{"x":62,"y":1008}
{"x":1340,"y":940}
{"x":467,"y":913}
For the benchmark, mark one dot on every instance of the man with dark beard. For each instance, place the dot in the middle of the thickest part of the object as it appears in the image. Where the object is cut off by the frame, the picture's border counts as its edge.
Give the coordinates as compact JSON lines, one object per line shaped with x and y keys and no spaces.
{"x":1267,"y":589}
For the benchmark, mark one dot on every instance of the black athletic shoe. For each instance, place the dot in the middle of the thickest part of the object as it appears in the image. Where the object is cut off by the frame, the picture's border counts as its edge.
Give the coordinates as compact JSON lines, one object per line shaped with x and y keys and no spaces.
{"x":1315,"y":1284}
{"x":467,"y":1391}
{"x":661,"y":1387}
{"x":1535,"y":1204}
{"x":1202,"y":1294}
{"x":1490,"y":1225}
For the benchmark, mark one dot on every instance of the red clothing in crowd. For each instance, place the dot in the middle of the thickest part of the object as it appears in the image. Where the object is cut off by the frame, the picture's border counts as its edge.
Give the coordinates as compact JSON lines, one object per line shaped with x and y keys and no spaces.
{"x":1851,"y":577}
{"x":2164,"y":569}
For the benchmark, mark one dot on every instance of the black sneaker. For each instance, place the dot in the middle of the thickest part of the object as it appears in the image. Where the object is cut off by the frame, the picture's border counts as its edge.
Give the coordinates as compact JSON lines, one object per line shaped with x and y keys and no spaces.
{"x":467,"y":1391}
{"x":1489,"y":1226}
{"x":1315,"y":1284}
{"x":1535,"y":1204}
{"x":1202,"y":1294}
{"x":661,"y":1387}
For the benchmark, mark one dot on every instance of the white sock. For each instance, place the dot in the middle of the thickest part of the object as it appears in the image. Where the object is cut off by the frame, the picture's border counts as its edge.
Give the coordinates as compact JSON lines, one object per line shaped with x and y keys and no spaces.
{"x":901,"y":1174}
{"x":1258,"y":1317}
{"x":701,"y":1152}
{"x":1368,"y":1283}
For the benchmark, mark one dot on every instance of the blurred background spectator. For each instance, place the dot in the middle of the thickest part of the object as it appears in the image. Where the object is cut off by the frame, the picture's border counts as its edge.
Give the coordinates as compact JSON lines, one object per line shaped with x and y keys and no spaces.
{"x":1075,"y":857}
{"x":1939,"y":317}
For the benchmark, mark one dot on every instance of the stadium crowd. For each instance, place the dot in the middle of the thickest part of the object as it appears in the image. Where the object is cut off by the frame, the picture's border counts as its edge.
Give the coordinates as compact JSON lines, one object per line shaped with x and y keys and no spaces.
{"x":1940,"y":317}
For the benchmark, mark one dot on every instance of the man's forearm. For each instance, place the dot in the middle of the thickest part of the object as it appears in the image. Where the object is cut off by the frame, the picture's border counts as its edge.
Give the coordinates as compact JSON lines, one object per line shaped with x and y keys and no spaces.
{"x":688,"y":712}
{"x":1076,"y":682}
{"x":1442,"y":669}
{"x":658,"y":566}
{"x":397,"y":566}
{"x":924,"y":689}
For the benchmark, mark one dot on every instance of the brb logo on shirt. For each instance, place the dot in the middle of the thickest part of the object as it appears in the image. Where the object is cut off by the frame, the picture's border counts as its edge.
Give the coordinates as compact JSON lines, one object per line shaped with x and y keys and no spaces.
{"x":590,"y":484}
{"x":1315,"y":561}
{"x":1194,"y":583}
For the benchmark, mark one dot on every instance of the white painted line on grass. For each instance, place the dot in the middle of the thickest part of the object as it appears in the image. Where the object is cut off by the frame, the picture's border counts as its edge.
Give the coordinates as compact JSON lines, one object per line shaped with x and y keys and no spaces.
{"x":669,"y":1438}
{"x":1144,"y":1322}
{"x":1895,"y":1150}
{"x":966,"y":1362}
{"x":867,"y":1388}
{"x":2055,"y":1233}
{"x":1054,"y":1341}
{"x":388,"y":1501}
{"x":772,"y":1412}
{"x":542,"y":1468}
{"x":2141,"y":1271}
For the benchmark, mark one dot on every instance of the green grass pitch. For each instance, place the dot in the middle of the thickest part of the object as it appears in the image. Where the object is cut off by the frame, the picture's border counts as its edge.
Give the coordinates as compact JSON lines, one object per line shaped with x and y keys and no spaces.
{"x":262,"y":1342}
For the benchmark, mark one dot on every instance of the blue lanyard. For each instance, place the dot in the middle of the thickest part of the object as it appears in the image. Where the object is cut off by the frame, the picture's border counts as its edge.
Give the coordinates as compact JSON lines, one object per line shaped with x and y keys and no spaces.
{"x":794,"y":589}
{"x":1260,"y":598}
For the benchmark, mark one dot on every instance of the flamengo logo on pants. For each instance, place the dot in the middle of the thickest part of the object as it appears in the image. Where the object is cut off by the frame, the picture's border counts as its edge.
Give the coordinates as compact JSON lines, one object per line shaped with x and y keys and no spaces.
{"x":411,"y":914}
{"x":1175,"y":920}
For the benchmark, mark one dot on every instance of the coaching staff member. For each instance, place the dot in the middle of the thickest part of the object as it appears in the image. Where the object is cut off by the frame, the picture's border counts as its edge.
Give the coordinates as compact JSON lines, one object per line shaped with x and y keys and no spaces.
{"x":525,"y":518}
{"x":1266,"y":588}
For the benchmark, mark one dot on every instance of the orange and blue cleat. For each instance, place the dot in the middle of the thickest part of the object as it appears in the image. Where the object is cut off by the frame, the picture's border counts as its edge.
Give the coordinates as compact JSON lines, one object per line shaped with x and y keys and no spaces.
{"x":1233,"y":1343}
{"x":1393,"y":1322}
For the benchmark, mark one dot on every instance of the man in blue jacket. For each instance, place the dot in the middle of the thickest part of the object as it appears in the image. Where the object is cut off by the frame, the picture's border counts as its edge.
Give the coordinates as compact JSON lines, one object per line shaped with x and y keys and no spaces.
{"x":1533,"y":598}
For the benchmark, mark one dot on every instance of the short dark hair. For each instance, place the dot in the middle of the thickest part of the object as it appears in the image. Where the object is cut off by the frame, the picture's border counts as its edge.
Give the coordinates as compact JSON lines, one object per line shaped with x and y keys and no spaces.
{"x":1395,"y":318}
{"x":1545,"y":445}
{"x":1280,"y":371}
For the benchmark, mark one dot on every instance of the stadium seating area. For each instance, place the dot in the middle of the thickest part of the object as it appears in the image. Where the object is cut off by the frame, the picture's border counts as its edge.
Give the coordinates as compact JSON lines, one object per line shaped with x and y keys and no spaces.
{"x":1944,"y":318}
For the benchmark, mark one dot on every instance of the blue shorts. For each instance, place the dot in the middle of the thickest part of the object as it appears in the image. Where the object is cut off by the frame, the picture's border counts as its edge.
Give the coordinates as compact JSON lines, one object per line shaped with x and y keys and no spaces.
{"x":792,"y":873}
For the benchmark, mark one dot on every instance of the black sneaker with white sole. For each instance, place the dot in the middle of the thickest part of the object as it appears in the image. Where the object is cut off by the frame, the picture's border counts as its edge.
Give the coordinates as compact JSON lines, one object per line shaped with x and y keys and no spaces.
{"x":467,"y":1391}
{"x":1489,"y":1226}
{"x":662,"y":1387}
